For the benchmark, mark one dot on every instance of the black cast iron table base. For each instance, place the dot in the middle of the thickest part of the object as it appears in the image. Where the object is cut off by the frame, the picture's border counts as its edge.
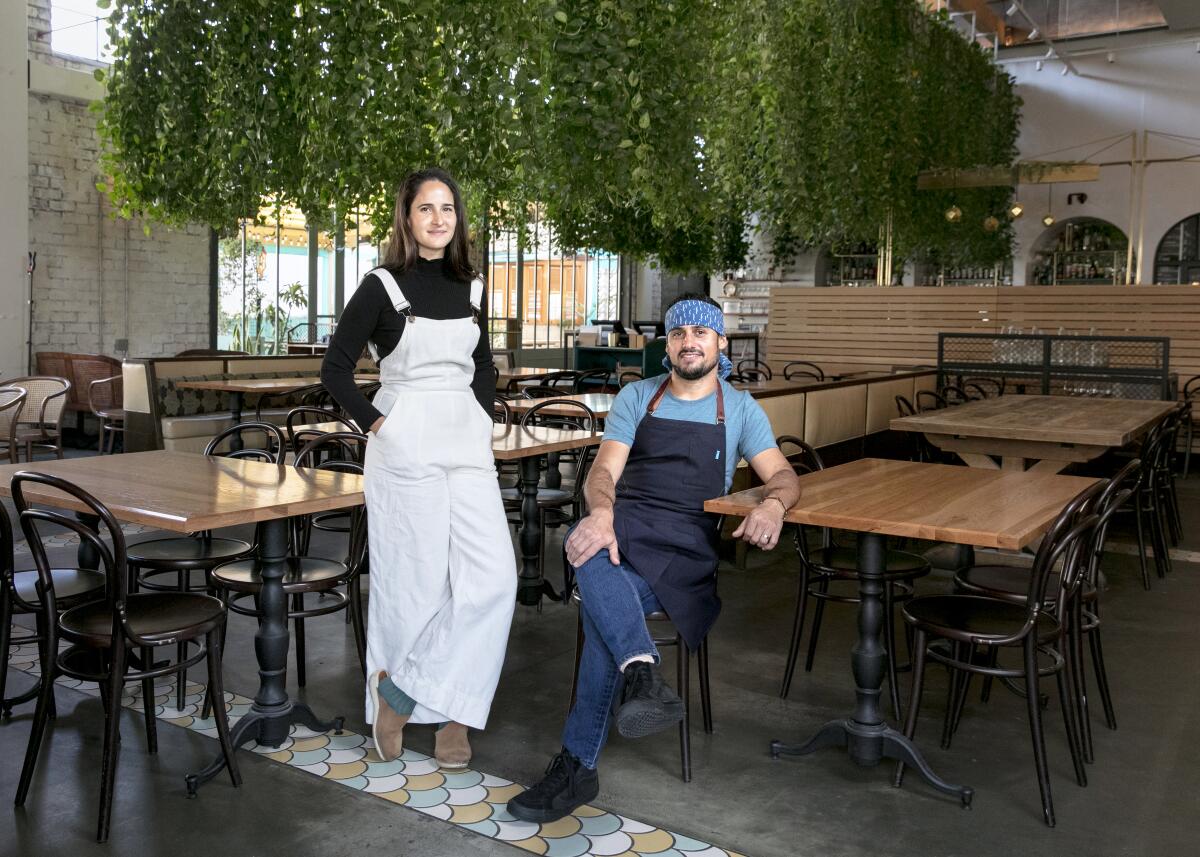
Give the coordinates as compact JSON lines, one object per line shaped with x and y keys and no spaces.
{"x":867,"y":738}
{"x":270,"y":717}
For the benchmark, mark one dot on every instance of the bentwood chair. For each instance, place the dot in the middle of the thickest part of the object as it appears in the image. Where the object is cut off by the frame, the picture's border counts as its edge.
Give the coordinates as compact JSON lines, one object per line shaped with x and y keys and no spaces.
{"x":758,"y":367}
{"x":20,"y":595}
{"x":40,"y":426}
{"x":977,"y":626}
{"x":104,"y":400}
{"x":297,"y":436}
{"x":1011,"y":584}
{"x":12,"y":401}
{"x":830,"y":564}
{"x":928,"y":400}
{"x":105,"y":634}
{"x":664,"y":635}
{"x":801,"y":369}
{"x":628,"y":376}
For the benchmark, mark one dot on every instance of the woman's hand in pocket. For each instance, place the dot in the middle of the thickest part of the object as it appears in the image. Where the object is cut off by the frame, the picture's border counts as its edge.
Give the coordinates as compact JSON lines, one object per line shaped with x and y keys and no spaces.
{"x":377,"y":425}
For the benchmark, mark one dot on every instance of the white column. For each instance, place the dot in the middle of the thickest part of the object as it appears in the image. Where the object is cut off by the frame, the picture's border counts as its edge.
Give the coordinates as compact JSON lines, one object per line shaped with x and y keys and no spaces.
{"x":14,"y":188}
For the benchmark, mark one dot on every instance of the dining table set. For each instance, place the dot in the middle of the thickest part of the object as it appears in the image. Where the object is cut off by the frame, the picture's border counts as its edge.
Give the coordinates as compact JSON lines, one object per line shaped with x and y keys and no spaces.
{"x":1006,"y":499}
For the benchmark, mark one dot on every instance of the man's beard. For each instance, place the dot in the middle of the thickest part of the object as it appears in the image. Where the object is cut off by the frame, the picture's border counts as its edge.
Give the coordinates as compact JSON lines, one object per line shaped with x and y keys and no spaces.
{"x":696,"y":373}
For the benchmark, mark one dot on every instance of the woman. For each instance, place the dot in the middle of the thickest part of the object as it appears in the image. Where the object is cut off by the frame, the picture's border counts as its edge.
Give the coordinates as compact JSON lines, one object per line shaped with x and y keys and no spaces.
{"x":443,"y":576}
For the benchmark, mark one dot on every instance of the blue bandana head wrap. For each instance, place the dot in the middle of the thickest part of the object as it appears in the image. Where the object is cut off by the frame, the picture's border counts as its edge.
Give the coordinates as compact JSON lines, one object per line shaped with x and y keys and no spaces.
{"x":704,"y":314}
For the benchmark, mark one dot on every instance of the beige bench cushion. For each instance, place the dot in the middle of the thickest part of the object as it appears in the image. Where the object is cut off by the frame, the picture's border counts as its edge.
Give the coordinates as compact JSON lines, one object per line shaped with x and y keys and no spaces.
{"x":205,"y":426}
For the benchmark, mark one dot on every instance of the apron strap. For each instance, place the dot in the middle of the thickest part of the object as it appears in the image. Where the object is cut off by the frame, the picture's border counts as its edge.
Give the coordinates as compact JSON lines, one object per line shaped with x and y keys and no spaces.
{"x":662,"y":388}
{"x":394,"y":292}
{"x":476,"y":298}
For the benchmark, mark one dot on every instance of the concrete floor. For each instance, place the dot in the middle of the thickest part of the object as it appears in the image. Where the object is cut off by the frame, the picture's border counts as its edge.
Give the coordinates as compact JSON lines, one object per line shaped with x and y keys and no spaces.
{"x":1140,"y":800}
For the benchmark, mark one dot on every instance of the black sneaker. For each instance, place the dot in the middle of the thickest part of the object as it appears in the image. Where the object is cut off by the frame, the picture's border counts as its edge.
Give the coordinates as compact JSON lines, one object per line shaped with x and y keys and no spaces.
{"x":648,"y":704}
{"x":566,"y":786}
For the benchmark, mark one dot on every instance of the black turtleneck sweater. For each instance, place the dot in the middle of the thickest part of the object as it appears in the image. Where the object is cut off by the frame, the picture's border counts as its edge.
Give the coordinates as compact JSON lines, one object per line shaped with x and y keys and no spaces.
{"x":433,"y":292}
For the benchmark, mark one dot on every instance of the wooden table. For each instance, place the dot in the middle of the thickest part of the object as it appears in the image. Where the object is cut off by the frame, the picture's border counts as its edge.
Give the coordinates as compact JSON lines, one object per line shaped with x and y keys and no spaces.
{"x":878,"y":498}
{"x":527,"y":444}
{"x":237,"y":388}
{"x":202,"y":493}
{"x":513,"y":375}
{"x":600,"y":403}
{"x":1047,"y":432}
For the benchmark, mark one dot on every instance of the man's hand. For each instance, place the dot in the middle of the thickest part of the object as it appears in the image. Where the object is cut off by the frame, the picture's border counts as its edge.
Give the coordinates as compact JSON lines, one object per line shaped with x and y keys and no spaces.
{"x":761,"y":527}
{"x":592,"y":534}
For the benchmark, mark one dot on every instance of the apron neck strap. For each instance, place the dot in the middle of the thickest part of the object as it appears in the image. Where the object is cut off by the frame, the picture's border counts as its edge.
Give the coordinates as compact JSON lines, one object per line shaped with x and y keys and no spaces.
{"x":662,"y":388}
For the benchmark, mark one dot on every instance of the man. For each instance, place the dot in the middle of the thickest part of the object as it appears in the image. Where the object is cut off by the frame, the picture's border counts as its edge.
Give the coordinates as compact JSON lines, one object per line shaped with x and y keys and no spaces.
{"x":670,"y":443}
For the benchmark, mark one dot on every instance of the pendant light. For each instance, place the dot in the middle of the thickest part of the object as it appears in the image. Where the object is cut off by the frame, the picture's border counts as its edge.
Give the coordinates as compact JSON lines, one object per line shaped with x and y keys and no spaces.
{"x":954,"y":213}
{"x":991,"y":223}
{"x":1016,"y":209}
{"x":1048,"y":219}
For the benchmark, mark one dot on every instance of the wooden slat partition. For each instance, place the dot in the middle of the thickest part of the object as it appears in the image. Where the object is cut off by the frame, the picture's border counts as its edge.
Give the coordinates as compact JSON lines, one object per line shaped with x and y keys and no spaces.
{"x":878,"y":328}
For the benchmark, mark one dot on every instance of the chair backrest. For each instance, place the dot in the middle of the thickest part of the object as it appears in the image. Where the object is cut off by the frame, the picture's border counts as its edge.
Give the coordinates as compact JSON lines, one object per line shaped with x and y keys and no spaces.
{"x":586,"y":381}
{"x":501,"y":412}
{"x":803,"y":367}
{"x":105,"y":394}
{"x":272,"y":453}
{"x":975,"y":391}
{"x":927,"y":400}
{"x":12,"y":401}
{"x":36,"y":522}
{"x":537,"y":391}
{"x":504,"y":358}
{"x":305,"y":415}
{"x":560,"y":381}
{"x":805,"y":459}
{"x":750,"y":364}
{"x":988,"y":386}
{"x":343,"y":451}
{"x":45,"y":400}
{"x":585,"y":420}
{"x":956,"y":395}
{"x":628,"y":376}
{"x":905,"y":407}
{"x":1067,"y":539}
{"x":1191,"y":386}
{"x":751,"y":374}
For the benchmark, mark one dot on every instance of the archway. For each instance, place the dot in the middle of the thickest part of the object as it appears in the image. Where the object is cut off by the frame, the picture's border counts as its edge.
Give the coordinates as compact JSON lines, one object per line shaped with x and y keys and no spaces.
{"x":1177,"y":259}
{"x":1079,"y":251}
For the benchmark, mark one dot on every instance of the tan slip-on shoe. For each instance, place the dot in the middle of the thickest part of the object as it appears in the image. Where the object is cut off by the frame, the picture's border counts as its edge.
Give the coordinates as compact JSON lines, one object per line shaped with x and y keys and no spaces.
{"x":451,"y":749}
{"x":388,"y":728}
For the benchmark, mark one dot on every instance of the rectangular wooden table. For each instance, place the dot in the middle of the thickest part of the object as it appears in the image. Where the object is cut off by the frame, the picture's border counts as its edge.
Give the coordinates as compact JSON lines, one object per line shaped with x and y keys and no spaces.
{"x":513,"y":375}
{"x":1049,"y":431}
{"x":237,"y":388}
{"x":185,"y":493}
{"x":879,"y":498}
{"x":599,"y":403}
{"x":527,"y":444}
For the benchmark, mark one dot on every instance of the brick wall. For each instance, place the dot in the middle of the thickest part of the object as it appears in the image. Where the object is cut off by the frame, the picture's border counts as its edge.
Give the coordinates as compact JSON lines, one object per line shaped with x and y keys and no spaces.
{"x":101,"y":279}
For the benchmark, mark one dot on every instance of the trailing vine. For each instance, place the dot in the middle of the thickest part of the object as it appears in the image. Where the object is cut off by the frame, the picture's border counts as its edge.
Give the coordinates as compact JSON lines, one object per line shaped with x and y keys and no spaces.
{"x":650,"y":129}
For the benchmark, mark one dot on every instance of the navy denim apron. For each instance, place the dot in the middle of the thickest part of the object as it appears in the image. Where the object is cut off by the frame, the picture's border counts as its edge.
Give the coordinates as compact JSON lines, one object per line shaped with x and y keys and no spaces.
{"x":659,"y":519}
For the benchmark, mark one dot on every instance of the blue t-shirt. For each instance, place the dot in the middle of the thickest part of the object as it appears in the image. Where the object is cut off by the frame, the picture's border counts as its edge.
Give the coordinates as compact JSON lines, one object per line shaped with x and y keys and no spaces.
{"x":747,"y":429}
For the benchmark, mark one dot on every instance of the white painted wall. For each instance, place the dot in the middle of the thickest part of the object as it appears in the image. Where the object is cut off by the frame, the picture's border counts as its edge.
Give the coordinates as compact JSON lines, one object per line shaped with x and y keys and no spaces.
{"x":14,"y":188}
{"x":1149,"y":86}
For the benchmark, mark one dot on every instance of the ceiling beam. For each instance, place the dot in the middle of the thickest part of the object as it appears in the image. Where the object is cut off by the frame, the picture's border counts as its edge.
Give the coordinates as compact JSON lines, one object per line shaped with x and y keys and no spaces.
{"x":1029,"y":172}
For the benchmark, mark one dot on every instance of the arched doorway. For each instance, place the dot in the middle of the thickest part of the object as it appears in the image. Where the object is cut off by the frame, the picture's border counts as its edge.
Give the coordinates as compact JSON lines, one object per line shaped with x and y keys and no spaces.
{"x":1177,"y":259}
{"x":1079,"y":251}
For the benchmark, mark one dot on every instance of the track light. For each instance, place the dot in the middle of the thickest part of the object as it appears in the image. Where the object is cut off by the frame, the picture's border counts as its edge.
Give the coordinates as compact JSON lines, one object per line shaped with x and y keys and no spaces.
{"x":1039,"y":65}
{"x":1033,"y":34}
{"x":1064,"y":71}
{"x":1012,"y":10}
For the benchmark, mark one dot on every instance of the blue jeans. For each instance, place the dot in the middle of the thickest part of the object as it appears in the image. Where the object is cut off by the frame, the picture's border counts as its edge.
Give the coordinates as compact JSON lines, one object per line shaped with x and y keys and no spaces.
{"x":615,"y":601}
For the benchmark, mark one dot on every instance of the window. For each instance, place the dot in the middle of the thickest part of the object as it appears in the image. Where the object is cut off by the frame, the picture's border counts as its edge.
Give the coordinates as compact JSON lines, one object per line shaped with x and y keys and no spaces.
{"x":537,"y":291}
{"x":1178,"y":256}
{"x":267,"y":295}
{"x":79,"y":28}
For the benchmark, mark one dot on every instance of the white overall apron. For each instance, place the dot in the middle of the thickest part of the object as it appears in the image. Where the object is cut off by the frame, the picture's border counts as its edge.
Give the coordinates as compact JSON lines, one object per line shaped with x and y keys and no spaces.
{"x":443,"y":572}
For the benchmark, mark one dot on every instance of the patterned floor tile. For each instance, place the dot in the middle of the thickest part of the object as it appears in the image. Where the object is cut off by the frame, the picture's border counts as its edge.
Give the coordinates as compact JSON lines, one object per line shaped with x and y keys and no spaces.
{"x":469,"y":799}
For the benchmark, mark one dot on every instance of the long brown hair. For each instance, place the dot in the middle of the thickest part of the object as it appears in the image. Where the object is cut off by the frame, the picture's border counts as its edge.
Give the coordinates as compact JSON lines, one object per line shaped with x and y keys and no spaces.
{"x":402,"y":247}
